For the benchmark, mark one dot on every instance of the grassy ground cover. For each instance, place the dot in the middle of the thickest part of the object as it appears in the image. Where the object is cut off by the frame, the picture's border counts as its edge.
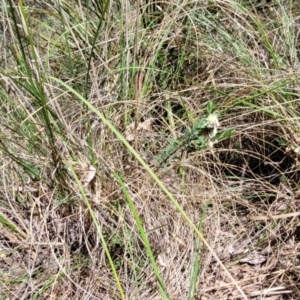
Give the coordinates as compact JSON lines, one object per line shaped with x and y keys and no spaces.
{"x":149,"y":149}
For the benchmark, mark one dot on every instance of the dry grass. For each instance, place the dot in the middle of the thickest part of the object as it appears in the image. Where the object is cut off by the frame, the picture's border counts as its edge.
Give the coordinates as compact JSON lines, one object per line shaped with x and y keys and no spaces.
{"x":83,"y":217}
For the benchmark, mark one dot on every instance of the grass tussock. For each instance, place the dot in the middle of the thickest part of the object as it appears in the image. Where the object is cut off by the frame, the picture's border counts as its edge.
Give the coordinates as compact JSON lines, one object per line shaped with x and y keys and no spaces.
{"x":150,"y":150}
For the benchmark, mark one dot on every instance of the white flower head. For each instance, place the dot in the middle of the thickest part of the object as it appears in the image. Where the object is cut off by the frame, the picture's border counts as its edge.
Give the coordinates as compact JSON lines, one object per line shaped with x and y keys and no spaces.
{"x":297,"y":150}
{"x":210,"y":144}
{"x":213,"y":121}
{"x":213,"y":133}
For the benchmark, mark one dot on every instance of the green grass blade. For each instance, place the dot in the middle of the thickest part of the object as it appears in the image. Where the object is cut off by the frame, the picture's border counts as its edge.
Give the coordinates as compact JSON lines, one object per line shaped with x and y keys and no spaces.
{"x":99,"y":230}
{"x":143,"y":236}
{"x":196,"y":259}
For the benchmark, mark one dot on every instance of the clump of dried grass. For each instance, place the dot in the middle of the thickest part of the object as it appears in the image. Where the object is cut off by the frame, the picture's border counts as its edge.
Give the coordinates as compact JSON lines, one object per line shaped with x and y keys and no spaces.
{"x":242,"y":196}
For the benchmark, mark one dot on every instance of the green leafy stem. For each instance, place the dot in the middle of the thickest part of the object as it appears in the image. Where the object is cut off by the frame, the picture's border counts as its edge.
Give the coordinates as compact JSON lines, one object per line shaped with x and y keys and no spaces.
{"x":204,"y":134}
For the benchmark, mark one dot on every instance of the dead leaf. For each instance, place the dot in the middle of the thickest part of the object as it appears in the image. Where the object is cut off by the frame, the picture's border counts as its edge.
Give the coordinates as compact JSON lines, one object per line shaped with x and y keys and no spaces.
{"x":253,"y":259}
{"x":146,"y":125}
{"x":161,"y":261}
{"x":89,"y":176}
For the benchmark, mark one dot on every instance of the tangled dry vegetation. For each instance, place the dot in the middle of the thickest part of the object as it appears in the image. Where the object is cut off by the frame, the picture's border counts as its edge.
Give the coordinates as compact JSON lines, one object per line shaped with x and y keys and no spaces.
{"x":84,"y":213}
